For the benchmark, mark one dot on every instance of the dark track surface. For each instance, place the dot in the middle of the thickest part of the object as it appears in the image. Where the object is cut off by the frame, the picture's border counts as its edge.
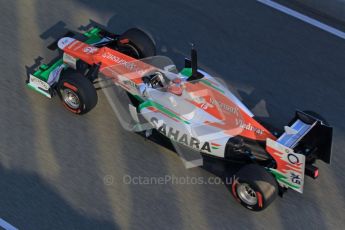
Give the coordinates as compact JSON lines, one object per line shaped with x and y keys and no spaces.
{"x":52,"y":163}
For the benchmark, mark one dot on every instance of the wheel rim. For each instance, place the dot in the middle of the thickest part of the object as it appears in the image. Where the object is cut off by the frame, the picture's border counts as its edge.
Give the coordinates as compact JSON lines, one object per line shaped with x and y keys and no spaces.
{"x":71,"y":98}
{"x":247,"y":194}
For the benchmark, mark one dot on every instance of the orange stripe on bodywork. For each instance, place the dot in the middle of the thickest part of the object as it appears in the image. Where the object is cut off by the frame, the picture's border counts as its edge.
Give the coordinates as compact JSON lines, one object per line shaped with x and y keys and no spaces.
{"x":153,"y":109}
{"x":116,"y":62}
{"x":78,"y":49}
{"x":281,"y":164}
{"x":209,"y":108}
{"x":229,"y":120}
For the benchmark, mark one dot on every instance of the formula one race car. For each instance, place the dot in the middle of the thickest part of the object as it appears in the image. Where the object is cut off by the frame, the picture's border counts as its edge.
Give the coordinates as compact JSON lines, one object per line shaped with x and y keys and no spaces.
{"x":190,"y":107}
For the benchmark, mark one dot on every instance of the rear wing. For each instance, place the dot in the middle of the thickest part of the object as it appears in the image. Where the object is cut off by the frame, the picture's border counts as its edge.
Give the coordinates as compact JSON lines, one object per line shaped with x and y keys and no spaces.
{"x":306,"y":139}
{"x":318,"y":138}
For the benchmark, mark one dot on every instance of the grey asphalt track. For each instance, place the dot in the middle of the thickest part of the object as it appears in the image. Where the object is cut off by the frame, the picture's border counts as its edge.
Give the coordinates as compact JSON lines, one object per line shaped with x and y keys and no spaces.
{"x":53,"y":164}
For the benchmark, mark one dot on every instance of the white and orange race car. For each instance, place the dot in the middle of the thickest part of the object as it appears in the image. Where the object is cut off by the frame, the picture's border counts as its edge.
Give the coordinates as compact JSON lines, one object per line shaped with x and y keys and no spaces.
{"x":190,"y":107}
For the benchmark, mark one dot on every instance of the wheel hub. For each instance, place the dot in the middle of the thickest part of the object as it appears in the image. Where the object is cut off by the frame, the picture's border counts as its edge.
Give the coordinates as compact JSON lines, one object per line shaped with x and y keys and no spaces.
{"x":71,"y":98}
{"x":247,"y":194}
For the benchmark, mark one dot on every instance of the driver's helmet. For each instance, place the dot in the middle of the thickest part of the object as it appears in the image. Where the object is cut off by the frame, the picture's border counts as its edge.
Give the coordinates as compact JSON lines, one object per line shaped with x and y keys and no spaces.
{"x":156,"y":80}
{"x":175,"y":86}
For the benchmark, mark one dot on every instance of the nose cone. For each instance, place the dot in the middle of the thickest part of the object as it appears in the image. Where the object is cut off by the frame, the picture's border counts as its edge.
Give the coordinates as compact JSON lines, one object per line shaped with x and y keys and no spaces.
{"x":64,"y":42}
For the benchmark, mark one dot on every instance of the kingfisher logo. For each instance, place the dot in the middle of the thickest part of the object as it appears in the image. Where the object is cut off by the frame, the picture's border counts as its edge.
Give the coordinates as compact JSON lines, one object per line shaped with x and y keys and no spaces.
{"x":183,"y":138}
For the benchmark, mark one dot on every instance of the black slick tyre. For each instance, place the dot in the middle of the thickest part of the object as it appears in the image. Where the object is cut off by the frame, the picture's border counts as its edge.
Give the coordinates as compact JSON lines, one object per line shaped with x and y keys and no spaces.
{"x":139,"y":42}
{"x":254,"y":187}
{"x":77,"y":93}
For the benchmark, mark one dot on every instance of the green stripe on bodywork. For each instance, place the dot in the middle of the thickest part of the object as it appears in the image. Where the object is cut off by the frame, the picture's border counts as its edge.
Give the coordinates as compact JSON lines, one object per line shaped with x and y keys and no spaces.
{"x":188,"y":72}
{"x":43,"y":72}
{"x":206,"y":82}
{"x":214,"y":147}
{"x":93,"y":32}
{"x":137,"y":97}
{"x":283,"y":179}
{"x":162,"y":109}
{"x":93,"y":35}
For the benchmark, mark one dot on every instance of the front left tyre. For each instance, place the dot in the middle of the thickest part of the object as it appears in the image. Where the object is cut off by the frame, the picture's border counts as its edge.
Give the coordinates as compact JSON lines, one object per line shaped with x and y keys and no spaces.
{"x":140,"y":44}
{"x":77,"y":93}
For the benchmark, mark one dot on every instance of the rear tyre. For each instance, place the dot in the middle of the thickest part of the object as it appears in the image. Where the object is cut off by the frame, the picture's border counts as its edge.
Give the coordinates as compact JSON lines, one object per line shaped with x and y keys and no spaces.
{"x":139,"y":43}
{"x":254,"y":187}
{"x":77,"y":93}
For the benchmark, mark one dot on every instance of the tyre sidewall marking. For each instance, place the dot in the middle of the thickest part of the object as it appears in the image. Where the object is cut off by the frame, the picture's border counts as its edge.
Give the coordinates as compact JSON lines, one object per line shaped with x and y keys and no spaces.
{"x":260,"y":200}
{"x":70,"y":109}
{"x":70,"y":86}
{"x":257,"y":191}
{"x":234,"y":193}
{"x":75,"y":89}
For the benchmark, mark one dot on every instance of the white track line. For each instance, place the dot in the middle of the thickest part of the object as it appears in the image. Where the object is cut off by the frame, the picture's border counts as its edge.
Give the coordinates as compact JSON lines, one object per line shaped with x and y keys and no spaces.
{"x":304,"y":18}
{"x":6,"y":225}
